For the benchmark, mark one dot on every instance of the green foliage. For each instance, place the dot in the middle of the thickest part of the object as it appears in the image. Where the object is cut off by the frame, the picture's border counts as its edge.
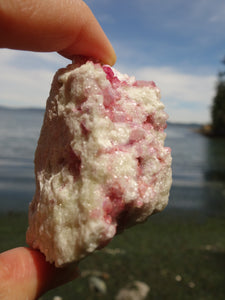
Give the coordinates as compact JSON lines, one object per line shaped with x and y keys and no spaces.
{"x":218,"y":108}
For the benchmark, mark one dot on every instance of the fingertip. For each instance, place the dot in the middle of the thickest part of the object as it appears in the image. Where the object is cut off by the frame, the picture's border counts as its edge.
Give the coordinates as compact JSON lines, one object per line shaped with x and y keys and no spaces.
{"x":88,"y":38}
{"x":111,"y":59}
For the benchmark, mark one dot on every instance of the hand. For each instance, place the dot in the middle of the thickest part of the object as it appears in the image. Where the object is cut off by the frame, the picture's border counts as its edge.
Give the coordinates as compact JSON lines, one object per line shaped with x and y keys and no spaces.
{"x":68,"y":27}
{"x":65,"y":26}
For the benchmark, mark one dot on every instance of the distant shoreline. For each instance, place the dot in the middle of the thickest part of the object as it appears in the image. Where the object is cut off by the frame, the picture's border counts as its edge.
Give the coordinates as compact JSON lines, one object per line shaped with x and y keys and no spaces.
{"x":207,"y":131}
{"x":40,"y":109}
{"x":33,"y":109}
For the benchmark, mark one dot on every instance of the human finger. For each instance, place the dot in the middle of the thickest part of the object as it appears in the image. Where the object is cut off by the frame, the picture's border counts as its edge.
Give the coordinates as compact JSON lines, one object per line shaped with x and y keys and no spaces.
{"x":66,"y":26}
{"x":25,"y":274}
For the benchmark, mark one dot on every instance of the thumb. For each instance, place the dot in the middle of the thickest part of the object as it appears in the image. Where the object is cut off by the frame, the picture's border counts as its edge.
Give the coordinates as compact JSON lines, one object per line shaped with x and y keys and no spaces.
{"x":65,"y":26}
{"x":24,"y":274}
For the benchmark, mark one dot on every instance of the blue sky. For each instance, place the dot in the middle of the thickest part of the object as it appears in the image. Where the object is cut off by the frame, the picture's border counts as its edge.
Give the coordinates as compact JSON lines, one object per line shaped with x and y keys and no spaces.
{"x":178,"y":44}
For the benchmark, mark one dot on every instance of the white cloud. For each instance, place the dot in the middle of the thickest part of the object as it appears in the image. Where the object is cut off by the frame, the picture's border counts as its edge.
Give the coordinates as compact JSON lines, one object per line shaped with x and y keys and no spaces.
{"x":22,"y":86}
{"x":50,"y":57}
{"x":187,"y":96}
{"x":178,"y":85}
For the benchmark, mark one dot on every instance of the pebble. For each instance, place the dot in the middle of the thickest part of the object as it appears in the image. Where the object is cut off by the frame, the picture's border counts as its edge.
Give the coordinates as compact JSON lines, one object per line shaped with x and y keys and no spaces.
{"x":97,"y":285}
{"x":138,"y":290}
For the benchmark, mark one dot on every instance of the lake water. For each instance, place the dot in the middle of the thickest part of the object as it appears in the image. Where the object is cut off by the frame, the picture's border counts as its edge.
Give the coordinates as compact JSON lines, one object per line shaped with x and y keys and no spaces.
{"x":198,"y":164}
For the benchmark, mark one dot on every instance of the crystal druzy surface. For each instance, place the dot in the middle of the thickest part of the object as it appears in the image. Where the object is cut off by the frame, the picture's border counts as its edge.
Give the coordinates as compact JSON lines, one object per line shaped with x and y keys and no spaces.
{"x":100,"y":163}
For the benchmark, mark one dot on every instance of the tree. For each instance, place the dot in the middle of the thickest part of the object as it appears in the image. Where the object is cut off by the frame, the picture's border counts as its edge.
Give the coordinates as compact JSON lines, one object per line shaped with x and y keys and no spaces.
{"x":218,"y":107}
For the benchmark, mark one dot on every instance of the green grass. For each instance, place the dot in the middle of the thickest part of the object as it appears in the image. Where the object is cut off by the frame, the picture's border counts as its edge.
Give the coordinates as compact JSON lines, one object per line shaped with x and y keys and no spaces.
{"x":167,"y":245}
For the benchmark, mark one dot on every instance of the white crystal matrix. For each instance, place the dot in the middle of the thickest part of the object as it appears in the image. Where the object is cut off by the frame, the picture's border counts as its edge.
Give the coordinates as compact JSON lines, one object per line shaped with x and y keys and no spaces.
{"x":100,"y":163}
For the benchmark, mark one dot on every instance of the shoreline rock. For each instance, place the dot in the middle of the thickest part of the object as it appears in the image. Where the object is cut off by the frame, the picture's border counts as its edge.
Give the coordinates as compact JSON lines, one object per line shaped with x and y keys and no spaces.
{"x":207,"y":131}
